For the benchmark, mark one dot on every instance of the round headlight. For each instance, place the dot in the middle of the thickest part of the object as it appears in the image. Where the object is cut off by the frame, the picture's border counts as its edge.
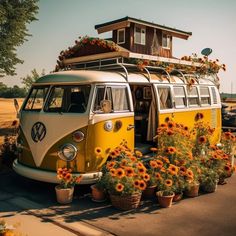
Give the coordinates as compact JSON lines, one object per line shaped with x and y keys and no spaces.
{"x":68,"y":152}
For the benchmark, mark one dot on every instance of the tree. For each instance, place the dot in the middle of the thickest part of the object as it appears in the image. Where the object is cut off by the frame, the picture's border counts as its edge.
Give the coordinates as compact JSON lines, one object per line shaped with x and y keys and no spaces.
{"x":14,"y":17}
{"x":28,"y":80}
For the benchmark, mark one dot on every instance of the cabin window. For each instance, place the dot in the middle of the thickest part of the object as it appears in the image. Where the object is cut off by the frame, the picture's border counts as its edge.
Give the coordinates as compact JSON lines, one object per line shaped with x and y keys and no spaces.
{"x":118,"y":95}
{"x":164,"y":97}
{"x":205,"y":96}
{"x":36,"y":98}
{"x":139,"y":35}
{"x":166,"y":40}
{"x":193,"y":97}
{"x":120,"y":36}
{"x":180,"y":99}
{"x":214,"y":96}
{"x":68,"y":99}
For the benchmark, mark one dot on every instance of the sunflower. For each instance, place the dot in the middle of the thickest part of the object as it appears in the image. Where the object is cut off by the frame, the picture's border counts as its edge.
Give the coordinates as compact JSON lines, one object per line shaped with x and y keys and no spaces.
{"x":170,"y":132}
{"x":158,"y":175}
{"x":173,"y":169}
{"x":129,"y":171}
{"x":134,"y":159}
{"x":159,"y":163}
{"x":123,"y":163}
{"x":142,"y":185}
{"x":120,"y":173}
{"x":113,"y":172}
{"x":170,"y":124}
{"x":170,"y":150}
{"x":98,"y":151}
{"x":146,"y":177}
{"x":153,"y":164}
{"x":110,"y":164}
{"x":136,"y":183}
{"x":202,"y":139}
{"x":168,"y":182}
{"x":189,"y":173}
{"x":138,"y":153}
{"x":119,"y":187}
{"x":142,"y":170}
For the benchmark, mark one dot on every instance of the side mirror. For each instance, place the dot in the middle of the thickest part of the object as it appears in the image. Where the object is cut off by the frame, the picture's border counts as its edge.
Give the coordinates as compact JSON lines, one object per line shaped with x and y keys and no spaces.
{"x":16,"y":107}
{"x":106,"y":106}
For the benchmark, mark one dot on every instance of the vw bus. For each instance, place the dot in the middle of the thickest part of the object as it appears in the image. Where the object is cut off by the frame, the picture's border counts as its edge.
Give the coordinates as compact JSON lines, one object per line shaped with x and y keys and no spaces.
{"x":68,"y":115}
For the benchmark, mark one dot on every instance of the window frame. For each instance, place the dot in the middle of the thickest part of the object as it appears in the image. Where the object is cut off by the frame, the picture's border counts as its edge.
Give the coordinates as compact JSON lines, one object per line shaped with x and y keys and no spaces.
{"x":110,"y":87}
{"x":205,"y":96}
{"x":193,"y":96}
{"x":118,"y":36}
{"x":158,"y":86}
{"x":29,"y":94}
{"x":168,"y":41}
{"x":142,"y":35}
{"x":180,"y":96}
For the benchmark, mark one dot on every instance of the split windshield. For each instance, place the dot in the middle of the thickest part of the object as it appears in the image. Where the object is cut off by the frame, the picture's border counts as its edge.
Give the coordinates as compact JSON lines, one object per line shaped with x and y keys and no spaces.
{"x":66,"y":99}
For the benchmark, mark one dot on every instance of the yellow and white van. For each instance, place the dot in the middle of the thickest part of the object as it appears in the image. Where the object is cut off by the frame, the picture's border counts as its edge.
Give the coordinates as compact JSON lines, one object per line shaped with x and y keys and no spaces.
{"x":69,"y":115}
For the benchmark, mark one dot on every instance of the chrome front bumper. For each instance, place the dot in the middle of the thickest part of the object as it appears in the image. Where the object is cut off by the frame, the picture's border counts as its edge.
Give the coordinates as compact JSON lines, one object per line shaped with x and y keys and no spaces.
{"x":49,"y":176}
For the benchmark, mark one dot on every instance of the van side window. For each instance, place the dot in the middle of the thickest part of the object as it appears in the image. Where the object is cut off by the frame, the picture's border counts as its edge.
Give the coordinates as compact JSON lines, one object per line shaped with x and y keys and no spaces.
{"x":205,"y":96}
{"x":192,"y":96}
{"x":164,"y":97}
{"x":36,"y":99}
{"x":214,"y":97}
{"x":116,"y":94}
{"x":180,"y":99}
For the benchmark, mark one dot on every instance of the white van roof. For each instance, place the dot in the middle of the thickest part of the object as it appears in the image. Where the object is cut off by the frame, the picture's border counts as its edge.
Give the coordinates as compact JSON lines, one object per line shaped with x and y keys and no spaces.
{"x":92,"y":76}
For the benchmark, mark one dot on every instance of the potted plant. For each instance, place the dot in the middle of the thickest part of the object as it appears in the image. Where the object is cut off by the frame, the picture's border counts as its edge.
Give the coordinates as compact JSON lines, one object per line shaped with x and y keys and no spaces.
{"x":123,"y":178}
{"x":166,"y":193}
{"x":98,"y":191}
{"x":209,"y":180}
{"x":65,"y":189}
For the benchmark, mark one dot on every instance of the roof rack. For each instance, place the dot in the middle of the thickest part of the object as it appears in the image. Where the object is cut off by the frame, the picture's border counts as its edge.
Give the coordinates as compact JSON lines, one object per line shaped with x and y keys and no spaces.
{"x":121,"y":61}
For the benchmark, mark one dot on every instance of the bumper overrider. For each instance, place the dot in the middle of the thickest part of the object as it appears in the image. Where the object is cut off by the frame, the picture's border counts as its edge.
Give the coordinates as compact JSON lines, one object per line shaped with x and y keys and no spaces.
{"x":49,"y":176}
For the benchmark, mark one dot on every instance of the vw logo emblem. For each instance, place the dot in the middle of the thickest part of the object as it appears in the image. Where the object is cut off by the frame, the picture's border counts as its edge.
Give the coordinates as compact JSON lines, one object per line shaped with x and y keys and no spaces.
{"x":38,"y":132}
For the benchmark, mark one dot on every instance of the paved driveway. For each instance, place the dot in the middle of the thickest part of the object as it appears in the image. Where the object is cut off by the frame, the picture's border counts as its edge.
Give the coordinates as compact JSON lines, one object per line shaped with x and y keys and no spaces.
{"x":206,"y":215}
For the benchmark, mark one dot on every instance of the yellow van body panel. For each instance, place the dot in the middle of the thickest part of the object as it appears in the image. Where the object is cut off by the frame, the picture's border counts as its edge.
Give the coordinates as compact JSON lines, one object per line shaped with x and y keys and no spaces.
{"x":98,"y":137}
{"x":188,"y":117}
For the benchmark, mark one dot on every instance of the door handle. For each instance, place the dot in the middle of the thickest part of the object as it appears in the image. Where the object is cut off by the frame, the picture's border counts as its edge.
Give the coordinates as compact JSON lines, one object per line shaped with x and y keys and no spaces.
{"x":130,"y":127}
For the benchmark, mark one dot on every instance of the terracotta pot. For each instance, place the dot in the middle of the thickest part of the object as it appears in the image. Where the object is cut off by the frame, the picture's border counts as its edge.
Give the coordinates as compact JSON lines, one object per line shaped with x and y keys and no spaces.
{"x":98,"y":195}
{"x":64,"y":196}
{"x":177,"y":197}
{"x":126,"y":202}
{"x":149,"y":192}
{"x":164,"y":201}
{"x":192,"y":190}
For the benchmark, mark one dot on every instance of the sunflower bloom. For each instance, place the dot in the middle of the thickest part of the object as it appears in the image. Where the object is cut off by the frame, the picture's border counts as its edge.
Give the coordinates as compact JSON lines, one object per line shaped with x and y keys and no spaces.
{"x":146,"y":177}
{"x":168,"y":182}
{"x":153,"y":164}
{"x":158,"y":176}
{"x":120,"y":173}
{"x":142,"y":185}
{"x":136,"y":183}
{"x":142,"y":170}
{"x":119,"y":187}
{"x":129,"y":171}
{"x":110,"y":164}
{"x":138,"y":153}
{"x":202,"y":139}
{"x":113,"y":172}
{"x":98,"y":151}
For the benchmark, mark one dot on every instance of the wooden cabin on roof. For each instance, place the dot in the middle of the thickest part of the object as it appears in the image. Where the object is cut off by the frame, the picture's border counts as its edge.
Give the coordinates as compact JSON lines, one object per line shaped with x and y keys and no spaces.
{"x":142,"y":37}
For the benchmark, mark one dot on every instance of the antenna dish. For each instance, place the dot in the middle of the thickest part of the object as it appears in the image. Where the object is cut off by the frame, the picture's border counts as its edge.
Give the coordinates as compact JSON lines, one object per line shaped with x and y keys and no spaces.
{"x":206,"y":51}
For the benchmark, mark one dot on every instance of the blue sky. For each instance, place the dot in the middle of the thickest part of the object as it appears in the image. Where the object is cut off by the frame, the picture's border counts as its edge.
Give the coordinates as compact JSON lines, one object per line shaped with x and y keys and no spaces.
{"x":60,"y":22}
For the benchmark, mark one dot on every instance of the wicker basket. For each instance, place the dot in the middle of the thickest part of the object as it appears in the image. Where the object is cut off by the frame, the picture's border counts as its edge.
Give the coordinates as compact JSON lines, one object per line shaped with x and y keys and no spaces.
{"x":125,"y":202}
